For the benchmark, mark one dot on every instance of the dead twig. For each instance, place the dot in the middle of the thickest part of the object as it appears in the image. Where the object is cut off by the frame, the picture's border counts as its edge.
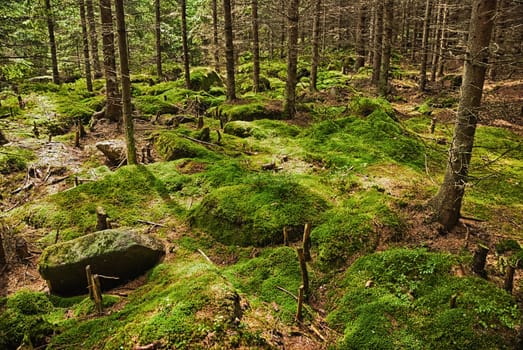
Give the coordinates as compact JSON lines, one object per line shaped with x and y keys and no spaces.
{"x":205,"y":256}
{"x":150,"y":223}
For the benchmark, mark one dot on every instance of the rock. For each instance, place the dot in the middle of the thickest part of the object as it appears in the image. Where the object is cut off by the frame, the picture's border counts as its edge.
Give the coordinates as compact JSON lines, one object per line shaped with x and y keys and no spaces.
{"x":239,"y":128}
{"x":114,"y":150}
{"x":115,"y":253}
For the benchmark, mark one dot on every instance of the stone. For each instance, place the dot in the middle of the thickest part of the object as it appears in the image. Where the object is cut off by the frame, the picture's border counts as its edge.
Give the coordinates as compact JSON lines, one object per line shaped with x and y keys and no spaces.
{"x":114,"y":150}
{"x":117,"y":253}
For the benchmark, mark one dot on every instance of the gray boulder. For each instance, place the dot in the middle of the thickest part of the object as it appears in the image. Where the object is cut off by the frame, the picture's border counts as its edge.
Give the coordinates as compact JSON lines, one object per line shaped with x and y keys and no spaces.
{"x":114,"y":150}
{"x":115,"y":253}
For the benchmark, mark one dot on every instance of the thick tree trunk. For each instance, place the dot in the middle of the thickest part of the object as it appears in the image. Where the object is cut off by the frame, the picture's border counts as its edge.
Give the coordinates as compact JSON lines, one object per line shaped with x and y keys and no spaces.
{"x":315,"y":46}
{"x":52,"y":41}
{"x":158,"y":37}
{"x":113,"y":109}
{"x":388,"y":9}
{"x":85,"y":41}
{"x":255,"y":47}
{"x":447,"y":202}
{"x":378,"y":34}
{"x":229,"y":51}
{"x":360,"y":37}
{"x":437,"y":39}
{"x":289,"y":108}
{"x":186,"y":65}
{"x":425,"y":46}
{"x":93,"y":36}
{"x":126,"y":83}
{"x":216,"y":48}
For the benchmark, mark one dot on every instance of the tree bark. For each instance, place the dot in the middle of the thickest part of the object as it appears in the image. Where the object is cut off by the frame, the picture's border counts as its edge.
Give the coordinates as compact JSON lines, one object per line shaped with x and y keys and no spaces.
{"x":186,"y":65}
{"x":158,"y":37}
{"x":229,"y":51}
{"x":360,"y":37}
{"x":388,"y":8}
{"x":216,"y":49}
{"x":378,"y":34}
{"x":315,"y":46}
{"x":85,"y":42}
{"x":255,"y":47}
{"x":442,"y":43}
{"x":447,"y":203}
{"x":437,"y":39}
{"x":292,"y":59}
{"x":3,"y":260}
{"x":113,"y":109}
{"x":126,"y":83}
{"x":425,"y":46}
{"x":93,"y":36}
{"x":52,"y":41}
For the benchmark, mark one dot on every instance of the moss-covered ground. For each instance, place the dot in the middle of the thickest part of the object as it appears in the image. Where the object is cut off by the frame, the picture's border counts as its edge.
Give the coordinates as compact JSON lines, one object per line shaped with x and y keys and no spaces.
{"x":358,"y":168}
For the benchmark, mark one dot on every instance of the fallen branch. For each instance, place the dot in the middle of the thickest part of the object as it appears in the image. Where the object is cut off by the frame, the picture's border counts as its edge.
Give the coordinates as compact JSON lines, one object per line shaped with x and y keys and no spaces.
{"x":286,"y":291}
{"x":205,"y":256}
{"x":23,"y":188}
{"x":200,"y":141}
{"x":150,"y":223}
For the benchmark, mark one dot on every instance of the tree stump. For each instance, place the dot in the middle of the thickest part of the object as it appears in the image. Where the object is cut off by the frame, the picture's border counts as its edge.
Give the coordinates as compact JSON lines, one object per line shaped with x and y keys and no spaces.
{"x":479,"y":261}
{"x":21,"y":249}
{"x":307,"y":242}
{"x":508,"y":283}
{"x":101,"y":219}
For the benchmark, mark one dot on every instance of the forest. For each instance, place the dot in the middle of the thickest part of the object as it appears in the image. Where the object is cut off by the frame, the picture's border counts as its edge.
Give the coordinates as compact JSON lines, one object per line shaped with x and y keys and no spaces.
{"x":244,"y":174}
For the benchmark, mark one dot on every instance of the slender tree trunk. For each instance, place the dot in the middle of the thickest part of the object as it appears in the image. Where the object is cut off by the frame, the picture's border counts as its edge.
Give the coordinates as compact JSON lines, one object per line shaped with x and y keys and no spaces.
{"x":315,"y":46}
{"x":425,"y":46}
{"x":388,"y":9}
{"x":255,"y":46}
{"x":378,"y":34}
{"x":85,"y":41}
{"x":292,"y":59}
{"x":3,"y":259}
{"x":436,"y":44}
{"x":126,"y":83}
{"x":442,"y":43}
{"x":52,"y":41}
{"x":360,"y":37}
{"x":158,"y":31}
{"x":282,"y":32}
{"x":447,"y":202}
{"x":229,"y":51}
{"x":216,"y":49}
{"x":93,"y":36}
{"x":186,"y":66}
{"x":113,"y":109}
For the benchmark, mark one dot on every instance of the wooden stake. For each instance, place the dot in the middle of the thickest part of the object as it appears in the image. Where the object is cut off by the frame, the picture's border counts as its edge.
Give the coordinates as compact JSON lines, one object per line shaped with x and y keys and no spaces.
{"x":479,"y":261}
{"x":89,"y":281}
{"x":307,"y":242}
{"x":299,"y":313}
{"x":285,"y":236}
{"x":101,"y":219}
{"x":453,"y":300}
{"x":508,"y":284}
{"x":304,"y":273}
{"x":97,"y":294}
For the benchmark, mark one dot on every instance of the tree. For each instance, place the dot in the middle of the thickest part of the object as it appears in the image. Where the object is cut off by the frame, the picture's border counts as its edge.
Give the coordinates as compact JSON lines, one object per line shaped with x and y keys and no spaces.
{"x":255,"y":47}
{"x":447,"y":203}
{"x":360,"y":37}
{"x":126,"y":83}
{"x":216,"y":48}
{"x":85,"y":42}
{"x":158,"y":32}
{"x":229,"y":51}
{"x":93,"y":35}
{"x":112,"y":107}
{"x":315,"y":45}
{"x":52,"y":41}
{"x":293,"y":17}
{"x":388,"y":8}
{"x":425,"y":46}
{"x":378,"y":34}
{"x":185,"y":46}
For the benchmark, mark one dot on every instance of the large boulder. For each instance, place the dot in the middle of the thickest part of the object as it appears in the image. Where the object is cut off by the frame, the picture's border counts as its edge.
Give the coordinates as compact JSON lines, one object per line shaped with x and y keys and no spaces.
{"x":114,"y":150}
{"x":115,"y":253}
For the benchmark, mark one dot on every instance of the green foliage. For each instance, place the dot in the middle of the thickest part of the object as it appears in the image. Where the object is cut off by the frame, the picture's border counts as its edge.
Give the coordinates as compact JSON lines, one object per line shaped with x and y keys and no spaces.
{"x":352,"y":228}
{"x":14,"y":159}
{"x":408,"y":305}
{"x":24,"y":316}
{"x":254,"y":213}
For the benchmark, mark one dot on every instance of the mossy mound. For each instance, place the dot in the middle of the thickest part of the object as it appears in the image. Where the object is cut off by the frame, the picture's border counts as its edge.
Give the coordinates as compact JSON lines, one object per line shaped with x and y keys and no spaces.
{"x":171,"y":146}
{"x":251,"y":110}
{"x":241,"y":129}
{"x":23,"y":318}
{"x":255,"y":213}
{"x":152,"y":105}
{"x":364,"y":106}
{"x":117,"y":253}
{"x":204,"y":78}
{"x":14,"y":159}
{"x":408,"y":305}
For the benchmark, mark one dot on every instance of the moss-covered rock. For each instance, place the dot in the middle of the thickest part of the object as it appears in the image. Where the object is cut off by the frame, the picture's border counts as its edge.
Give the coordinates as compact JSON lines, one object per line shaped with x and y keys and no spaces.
{"x":115,"y":253}
{"x":204,"y":78}
{"x":256,"y":213}
{"x":239,"y":128}
{"x":14,"y":159}
{"x":152,"y":105}
{"x":171,"y":146}
{"x":251,"y":110}
{"x":364,"y":106}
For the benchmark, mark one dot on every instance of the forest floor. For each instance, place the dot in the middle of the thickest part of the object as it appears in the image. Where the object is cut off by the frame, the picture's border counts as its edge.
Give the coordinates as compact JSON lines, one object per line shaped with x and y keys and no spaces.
{"x":57,"y":162}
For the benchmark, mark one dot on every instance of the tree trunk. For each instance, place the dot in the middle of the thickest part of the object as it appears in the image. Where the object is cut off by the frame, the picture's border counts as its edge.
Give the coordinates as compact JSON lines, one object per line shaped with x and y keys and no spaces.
{"x":229,"y":51}
{"x":216,"y":49}
{"x":255,"y":47}
{"x":442,"y":43}
{"x":447,"y":202}
{"x":3,"y":260}
{"x":158,"y":37}
{"x":185,"y":46}
{"x":126,"y":83}
{"x":360,"y":38}
{"x":315,"y":46}
{"x":282,"y":31}
{"x":378,"y":34}
{"x":85,"y":41}
{"x":113,"y":111}
{"x":93,"y":35}
{"x":425,"y":46}
{"x":292,"y":59}
{"x":388,"y":8}
{"x":52,"y":41}
{"x":436,"y":44}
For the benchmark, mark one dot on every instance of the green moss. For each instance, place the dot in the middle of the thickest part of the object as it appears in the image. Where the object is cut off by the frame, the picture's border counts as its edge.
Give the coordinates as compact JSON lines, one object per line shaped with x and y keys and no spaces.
{"x":204,"y":78}
{"x":364,"y":106}
{"x":251,"y":110}
{"x":255,"y":213}
{"x":408,"y":305}
{"x":171,"y":146}
{"x":152,"y":105}
{"x":14,"y":159}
